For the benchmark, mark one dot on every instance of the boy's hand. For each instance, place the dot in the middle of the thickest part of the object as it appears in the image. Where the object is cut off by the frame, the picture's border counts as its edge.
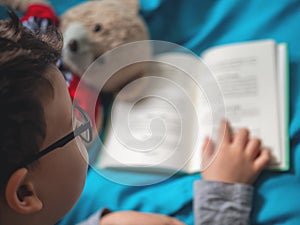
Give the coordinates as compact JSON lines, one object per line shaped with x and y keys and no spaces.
{"x":137,"y":218}
{"x":238,"y":160}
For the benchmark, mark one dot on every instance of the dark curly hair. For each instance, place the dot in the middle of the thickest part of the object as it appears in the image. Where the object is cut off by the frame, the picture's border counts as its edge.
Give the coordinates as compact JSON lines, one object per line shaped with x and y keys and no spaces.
{"x":24,"y":59}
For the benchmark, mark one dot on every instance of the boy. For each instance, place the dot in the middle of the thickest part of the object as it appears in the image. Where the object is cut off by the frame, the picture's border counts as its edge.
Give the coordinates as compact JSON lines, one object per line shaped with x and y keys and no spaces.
{"x":43,"y":161}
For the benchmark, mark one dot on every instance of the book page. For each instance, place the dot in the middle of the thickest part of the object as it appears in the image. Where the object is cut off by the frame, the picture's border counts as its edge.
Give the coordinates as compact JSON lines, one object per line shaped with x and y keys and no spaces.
{"x":156,"y":130}
{"x":247,"y":75}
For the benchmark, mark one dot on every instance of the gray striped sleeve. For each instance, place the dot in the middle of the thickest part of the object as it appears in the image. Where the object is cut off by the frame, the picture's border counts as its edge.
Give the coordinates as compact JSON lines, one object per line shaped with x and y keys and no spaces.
{"x":221,"y":203}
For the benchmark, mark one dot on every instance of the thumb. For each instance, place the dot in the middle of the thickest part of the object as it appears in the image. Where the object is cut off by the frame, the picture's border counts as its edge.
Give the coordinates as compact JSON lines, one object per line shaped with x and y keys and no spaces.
{"x":207,"y":150}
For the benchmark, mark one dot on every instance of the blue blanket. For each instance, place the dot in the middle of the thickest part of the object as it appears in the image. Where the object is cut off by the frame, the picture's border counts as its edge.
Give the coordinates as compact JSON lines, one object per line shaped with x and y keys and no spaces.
{"x":198,"y":25}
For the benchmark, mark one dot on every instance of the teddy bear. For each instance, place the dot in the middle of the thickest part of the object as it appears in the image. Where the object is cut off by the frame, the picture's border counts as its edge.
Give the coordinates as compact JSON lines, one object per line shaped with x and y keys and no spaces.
{"x":90,"y":29}
{"x":96,"y":27}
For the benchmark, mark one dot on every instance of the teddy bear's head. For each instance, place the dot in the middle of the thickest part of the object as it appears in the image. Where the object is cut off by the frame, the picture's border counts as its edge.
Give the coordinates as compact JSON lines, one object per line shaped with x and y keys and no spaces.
{"x":95,"y":27}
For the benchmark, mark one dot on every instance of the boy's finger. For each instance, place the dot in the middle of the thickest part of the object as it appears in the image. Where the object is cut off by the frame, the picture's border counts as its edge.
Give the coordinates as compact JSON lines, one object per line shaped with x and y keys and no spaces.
{"x":207,"y":153}
{"x":241,"y":137}
{"x":205,"y":145}
{"x":208,"y":148}
{"x":253,"y":148}
{"x":262,"y":160}
{"x":225,"y":132}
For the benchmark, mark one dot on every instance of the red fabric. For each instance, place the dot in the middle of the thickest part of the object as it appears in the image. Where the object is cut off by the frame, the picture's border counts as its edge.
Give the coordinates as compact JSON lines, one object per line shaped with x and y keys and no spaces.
{"x":83,"y":95}
{"x":41,"y":11}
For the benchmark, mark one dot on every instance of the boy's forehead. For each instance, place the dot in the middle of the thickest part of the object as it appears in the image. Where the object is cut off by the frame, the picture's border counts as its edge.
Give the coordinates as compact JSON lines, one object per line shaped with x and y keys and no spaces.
{"x":54,"y":75}
{"x":61,"y":93}
{"x":58,"y":111}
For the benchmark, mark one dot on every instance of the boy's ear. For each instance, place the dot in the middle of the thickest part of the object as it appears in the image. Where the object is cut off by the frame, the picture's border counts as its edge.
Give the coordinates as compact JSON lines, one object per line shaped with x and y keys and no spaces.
{"x":20,"y":195}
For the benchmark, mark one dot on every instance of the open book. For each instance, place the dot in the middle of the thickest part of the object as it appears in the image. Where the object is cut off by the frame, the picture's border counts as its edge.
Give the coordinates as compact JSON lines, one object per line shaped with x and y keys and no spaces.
{"x":163,"y":129}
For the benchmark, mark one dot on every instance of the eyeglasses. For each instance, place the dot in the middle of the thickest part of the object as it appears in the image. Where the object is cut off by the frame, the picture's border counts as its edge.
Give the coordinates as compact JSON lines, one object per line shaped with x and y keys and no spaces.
{"x":82,"y":128}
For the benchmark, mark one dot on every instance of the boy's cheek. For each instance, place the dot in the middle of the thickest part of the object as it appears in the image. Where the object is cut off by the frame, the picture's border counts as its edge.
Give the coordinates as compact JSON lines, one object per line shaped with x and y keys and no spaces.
{"x":83,"y":150}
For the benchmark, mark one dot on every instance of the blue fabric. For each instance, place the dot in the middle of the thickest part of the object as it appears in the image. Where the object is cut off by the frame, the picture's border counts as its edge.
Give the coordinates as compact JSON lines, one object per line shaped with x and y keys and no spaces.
{"x":198,"y":25}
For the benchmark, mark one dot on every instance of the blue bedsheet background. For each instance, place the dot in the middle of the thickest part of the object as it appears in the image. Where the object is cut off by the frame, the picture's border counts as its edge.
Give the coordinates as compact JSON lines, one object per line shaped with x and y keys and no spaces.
{"x":198,"y":25}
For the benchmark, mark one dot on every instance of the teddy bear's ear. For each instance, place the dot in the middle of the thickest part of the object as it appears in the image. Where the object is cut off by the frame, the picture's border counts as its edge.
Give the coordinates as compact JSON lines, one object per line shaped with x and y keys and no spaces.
{"x":132,"y":4}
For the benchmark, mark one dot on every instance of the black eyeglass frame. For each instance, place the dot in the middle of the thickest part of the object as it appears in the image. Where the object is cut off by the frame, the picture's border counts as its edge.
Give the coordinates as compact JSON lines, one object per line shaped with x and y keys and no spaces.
{"x":64,"y":140}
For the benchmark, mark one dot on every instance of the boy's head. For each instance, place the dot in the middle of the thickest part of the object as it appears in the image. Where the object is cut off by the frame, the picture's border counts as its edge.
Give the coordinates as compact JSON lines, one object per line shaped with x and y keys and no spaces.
{"x":35,"y":113}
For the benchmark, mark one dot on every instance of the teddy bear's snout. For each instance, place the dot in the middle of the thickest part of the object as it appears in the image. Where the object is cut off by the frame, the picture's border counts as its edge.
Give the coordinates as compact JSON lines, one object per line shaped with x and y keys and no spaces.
{"x":73,"y":45}
{"x":76,"y":39}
